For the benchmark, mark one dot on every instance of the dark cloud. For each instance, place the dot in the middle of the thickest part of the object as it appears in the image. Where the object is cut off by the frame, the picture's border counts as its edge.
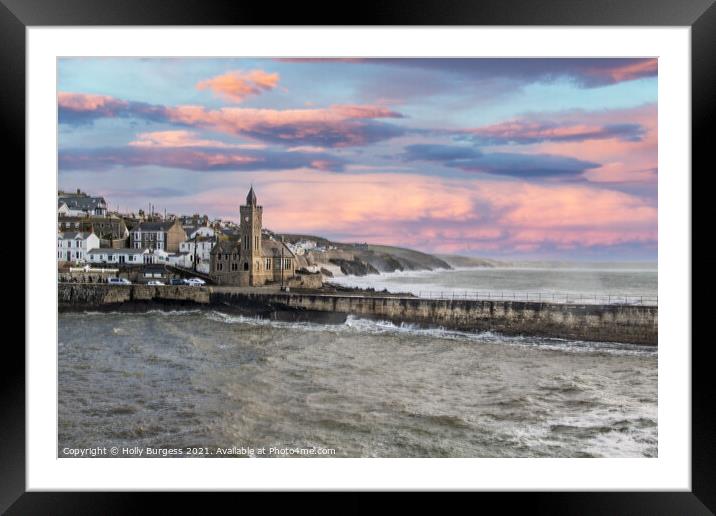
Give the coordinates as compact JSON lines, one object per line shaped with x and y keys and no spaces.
{"x":584,"y":72}
{"x":499,"y":163}
{"x":523,"y":132}
{"x":195,"y":158}
{"x":344,"y":134}
{"x":70,"y":114}
{"x":333,"y":126}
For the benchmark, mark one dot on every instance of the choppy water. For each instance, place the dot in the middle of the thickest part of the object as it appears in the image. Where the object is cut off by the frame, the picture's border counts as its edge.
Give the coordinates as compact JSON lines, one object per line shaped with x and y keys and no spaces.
{"x":599,"y":285}
{"x":363,"y":388}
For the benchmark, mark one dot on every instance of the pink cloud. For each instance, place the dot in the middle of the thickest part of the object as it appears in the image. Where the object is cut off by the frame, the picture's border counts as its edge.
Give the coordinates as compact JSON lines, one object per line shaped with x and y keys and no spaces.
{"x":236,"y":120}
{"x":86,"y":101}
{"x":180,"y":138}
{"x":622,"y":160}
{"x":446,"y":215}
{"x":236,"y":85}
{"x":336,"y":125}
{"x":534,"y":131}
{"x":625,"y":72}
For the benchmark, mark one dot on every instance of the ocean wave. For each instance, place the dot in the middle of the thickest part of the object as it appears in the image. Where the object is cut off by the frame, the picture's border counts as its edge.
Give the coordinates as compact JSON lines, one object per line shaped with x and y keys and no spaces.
{"x":354,"y":324}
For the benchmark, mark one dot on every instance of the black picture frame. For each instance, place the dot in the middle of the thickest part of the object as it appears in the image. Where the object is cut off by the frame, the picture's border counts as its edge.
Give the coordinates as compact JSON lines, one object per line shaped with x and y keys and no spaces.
{"x":700,"y":15}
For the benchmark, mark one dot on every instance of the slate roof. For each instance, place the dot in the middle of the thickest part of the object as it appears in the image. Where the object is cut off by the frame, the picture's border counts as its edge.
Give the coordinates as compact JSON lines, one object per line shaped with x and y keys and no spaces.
{"x":226,"y":247}
{"x":68,"y":235}
{"x":153,"y":226}
{"x":272,"y":248}
{"x":75,"y":202}
{"x":251,"y":197}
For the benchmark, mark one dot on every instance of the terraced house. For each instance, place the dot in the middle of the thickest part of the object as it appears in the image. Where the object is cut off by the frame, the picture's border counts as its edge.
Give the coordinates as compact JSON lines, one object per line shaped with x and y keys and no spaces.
{"x":74,"y":246}
{"x":166,"y":236}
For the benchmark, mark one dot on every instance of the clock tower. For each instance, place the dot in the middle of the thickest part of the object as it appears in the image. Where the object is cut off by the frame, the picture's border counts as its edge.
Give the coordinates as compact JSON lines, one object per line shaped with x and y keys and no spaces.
{"x":250,"y":231}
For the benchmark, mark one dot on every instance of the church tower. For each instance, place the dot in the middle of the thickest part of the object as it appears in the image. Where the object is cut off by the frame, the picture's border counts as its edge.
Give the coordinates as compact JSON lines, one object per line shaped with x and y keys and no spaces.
{"x":250,"y":231}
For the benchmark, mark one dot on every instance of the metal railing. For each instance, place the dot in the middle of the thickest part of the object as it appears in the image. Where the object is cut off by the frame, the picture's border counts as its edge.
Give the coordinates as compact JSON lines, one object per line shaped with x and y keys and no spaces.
{"x":541,"y":297}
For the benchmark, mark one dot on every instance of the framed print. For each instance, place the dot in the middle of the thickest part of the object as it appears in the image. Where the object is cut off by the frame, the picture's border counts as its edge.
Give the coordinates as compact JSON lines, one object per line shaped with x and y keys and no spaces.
{"x":443,"y":249}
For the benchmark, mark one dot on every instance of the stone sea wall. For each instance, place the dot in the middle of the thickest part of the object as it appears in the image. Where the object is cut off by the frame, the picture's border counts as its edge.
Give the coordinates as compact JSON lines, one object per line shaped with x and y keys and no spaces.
{"x":609,"y":323}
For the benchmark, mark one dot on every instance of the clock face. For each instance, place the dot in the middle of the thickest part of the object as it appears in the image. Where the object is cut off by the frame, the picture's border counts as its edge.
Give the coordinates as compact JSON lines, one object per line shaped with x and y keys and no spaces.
{"x":246,"y":219}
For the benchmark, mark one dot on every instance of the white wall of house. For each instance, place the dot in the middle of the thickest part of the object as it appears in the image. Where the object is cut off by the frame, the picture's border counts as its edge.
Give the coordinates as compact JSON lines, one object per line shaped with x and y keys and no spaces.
{"x":181,"y":260}
{"x":204,"y":231}
{"x":203,"y":251}
{"x":64,"y":210}
{"x":74,"y":248}
{"x":114,"y":257}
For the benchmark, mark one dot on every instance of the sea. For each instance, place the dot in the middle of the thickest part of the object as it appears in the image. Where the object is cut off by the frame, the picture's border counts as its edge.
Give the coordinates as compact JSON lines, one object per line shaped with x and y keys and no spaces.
{"x":212,"y":384}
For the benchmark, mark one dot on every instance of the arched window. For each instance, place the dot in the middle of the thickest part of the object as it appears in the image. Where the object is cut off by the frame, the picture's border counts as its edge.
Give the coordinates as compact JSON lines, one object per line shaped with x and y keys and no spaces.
{"x":246,"y":266}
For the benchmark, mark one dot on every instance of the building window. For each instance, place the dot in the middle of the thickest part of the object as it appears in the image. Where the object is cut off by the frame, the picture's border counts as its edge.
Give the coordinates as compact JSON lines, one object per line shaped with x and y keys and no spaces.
{"x":246,"y":266}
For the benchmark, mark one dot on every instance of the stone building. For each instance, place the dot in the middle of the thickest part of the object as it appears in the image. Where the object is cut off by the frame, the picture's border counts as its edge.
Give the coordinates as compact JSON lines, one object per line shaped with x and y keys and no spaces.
{"x":253,"y":259}
{"x":166,"y":236}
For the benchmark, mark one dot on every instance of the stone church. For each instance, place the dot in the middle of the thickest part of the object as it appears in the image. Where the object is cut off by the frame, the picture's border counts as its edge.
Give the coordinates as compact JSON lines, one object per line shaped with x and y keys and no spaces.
{"x":253,"y":259}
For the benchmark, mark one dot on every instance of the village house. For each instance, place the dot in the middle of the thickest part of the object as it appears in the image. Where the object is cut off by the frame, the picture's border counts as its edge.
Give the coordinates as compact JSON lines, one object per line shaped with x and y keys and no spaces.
{"x":253,"y":259}
{"x":166,"y":236}
{"x":73,"y":246}
{"x":111,"y":229}
{"x":121,"y":256}
{"x":199,"y":248}
{"x":78,"y":204}
{"x":183,"y":260}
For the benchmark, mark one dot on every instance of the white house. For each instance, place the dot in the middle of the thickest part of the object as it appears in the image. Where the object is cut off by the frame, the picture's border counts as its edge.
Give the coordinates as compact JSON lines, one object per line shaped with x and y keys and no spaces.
{"x":74,"y":246}
{"x":184,"y":260}
{"x":302,"y":247}
{"x":198,"y":247}
{"x":202,"y":231}
{"x":77,"y":204}
{"x":64,"y":210}
{"x":125,"y":256}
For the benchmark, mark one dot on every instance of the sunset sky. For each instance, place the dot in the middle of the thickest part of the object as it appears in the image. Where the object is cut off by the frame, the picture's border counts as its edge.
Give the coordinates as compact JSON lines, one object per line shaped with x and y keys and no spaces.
{"x":531,"y":158}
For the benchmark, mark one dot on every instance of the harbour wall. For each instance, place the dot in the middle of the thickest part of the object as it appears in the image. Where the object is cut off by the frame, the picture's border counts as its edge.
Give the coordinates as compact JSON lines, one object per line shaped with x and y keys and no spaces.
{"x":634,"y":324}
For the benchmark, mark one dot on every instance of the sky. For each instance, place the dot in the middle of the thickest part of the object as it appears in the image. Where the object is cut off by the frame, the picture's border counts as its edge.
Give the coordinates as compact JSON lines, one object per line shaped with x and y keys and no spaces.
{"x":519,"y":158}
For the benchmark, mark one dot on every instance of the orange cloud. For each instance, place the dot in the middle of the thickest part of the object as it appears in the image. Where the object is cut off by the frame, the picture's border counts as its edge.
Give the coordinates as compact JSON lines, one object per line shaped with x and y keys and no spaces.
{"x":236,"y":85}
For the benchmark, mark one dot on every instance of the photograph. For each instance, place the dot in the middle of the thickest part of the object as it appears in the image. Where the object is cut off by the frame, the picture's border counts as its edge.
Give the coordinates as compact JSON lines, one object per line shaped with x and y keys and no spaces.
{"x":357,"y":257}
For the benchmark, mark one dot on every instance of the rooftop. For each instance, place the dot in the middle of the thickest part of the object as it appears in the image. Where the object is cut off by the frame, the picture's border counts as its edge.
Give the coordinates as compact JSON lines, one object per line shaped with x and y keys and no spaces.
{"x":68,"y":235}
{"x":153,"y":226}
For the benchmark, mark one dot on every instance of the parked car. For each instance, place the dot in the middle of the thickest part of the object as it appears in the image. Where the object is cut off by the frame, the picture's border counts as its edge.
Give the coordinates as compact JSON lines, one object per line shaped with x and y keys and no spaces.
{"x":155,"y":283}
{"x":195,"y":282}
{"x":177,"y":281}
{"x":118,"y":281}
